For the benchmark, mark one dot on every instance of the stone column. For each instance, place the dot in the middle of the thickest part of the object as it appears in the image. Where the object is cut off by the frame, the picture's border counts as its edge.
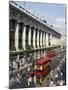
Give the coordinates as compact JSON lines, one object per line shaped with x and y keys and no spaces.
{"x":17,"y":36}
{"x":29,"y":36}
{"x":34,"y":38}
{"x":41,"y":39}
{"x":37,"y":38}
{"x":24,"y":37}
{"x":58,"y":41}
{"x":46,"y":39}
{"x":51,"y":39}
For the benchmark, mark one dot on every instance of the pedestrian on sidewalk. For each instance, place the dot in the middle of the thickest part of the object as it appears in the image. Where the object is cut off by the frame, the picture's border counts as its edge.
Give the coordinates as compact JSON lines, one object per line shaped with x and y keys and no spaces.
{"x":29,"y":80}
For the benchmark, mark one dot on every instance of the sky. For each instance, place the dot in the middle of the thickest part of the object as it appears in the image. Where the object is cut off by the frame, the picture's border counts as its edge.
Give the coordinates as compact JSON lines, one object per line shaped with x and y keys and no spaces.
{"x":54,"y":14}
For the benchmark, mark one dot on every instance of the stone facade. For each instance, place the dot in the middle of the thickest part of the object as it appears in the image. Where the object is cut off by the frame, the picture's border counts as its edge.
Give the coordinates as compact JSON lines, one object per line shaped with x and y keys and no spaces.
{"x":28,"y":30}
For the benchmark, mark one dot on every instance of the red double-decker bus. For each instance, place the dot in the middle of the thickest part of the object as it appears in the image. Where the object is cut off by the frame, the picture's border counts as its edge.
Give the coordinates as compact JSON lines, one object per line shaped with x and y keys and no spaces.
{"x":41,"y":68}
{"x":51,"y":53}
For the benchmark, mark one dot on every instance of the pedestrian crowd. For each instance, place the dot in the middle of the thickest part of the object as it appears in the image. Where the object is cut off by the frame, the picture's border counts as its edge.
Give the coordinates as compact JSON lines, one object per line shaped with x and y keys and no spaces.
{"x":59,"y":79}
